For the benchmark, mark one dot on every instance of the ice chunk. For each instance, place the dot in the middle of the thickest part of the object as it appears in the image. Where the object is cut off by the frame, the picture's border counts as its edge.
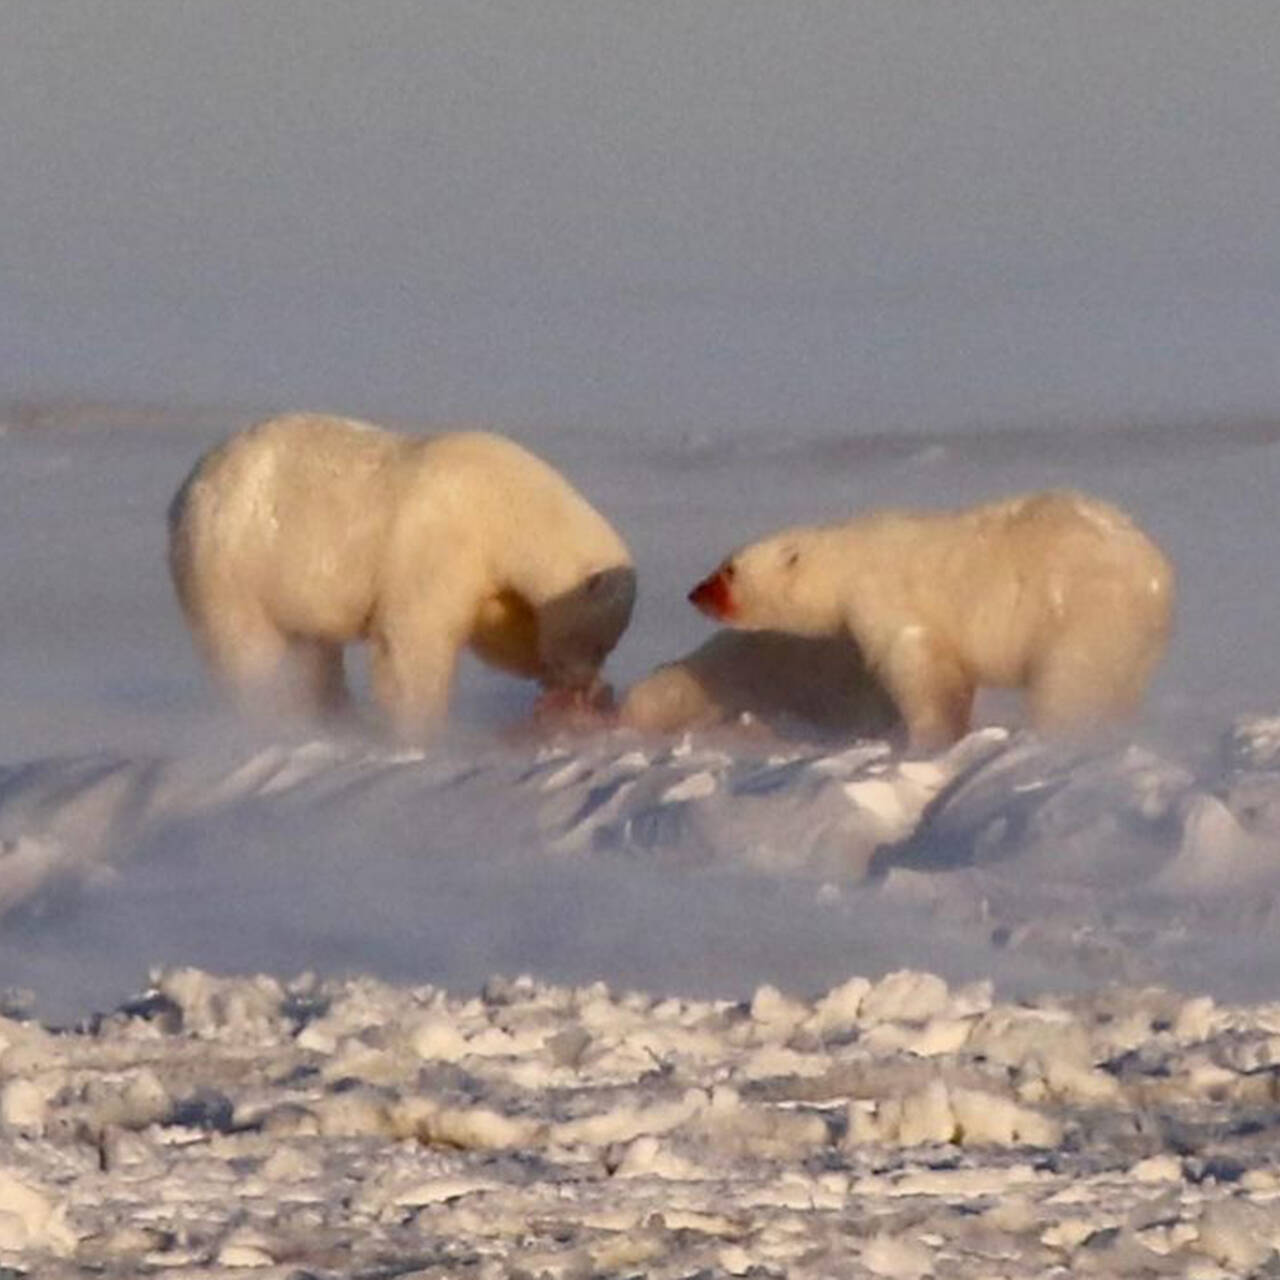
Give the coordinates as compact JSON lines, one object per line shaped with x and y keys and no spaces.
{"x":1216,"y":852}
{"x":697,"y":786}
{"x":1014,"y":1036}
{"x":985,"y":1119}
{"x":839,"y":1009}
{"x":1235,"y":1234}
{"x":648,"y":1156}
{"x":467,"y":1128}
{"x":23,"y":1106}
{"x":29,"y":1219}
{"x":438,"y":1039}
{"x":897,"y":1257}
{"x":775,"y":1012}
{"x":1161,"y":1168}
{"x":942,"y":1113}
{"x":926,"y":1116}
{"x":892,"y":807}
{"x":904,"y":996}
{"x":1196,"y":1020}
{"x":245,"y":1249}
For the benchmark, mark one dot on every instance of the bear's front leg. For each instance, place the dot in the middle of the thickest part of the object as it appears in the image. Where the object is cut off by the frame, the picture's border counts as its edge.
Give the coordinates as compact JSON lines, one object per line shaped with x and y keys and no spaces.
{"x":413,"y":657}
{"x":930,"y":687}
{"x":427,"y":598}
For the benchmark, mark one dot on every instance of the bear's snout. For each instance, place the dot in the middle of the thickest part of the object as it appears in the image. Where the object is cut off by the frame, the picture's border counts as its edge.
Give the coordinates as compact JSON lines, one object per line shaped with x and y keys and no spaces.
{"x":713,"y":597}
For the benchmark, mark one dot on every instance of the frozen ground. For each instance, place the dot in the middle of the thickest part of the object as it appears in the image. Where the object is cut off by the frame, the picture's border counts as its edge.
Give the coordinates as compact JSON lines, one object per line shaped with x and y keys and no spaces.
{"x":901,"y":1128}
{"x":1030,"y":1118}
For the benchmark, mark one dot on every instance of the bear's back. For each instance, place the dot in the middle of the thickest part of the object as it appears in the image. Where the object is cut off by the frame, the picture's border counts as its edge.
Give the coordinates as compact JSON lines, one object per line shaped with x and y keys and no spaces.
{"x":533,"y":520}
{"x":291,"y":513}
{"x":1071,"y":530}
{"x":298,"y":459}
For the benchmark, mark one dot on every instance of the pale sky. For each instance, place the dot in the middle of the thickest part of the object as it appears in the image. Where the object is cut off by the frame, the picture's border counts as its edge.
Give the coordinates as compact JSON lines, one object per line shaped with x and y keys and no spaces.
{"x":638,"y":214}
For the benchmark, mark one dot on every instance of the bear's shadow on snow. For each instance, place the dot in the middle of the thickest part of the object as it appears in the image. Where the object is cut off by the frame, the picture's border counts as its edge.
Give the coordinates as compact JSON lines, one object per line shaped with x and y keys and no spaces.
{"x":812,"y":687}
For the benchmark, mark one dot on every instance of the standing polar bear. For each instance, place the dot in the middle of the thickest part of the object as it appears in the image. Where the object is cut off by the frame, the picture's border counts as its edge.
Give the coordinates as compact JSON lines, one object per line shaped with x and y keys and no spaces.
{"x":306,"y":533}
{"x":1055,"y":593}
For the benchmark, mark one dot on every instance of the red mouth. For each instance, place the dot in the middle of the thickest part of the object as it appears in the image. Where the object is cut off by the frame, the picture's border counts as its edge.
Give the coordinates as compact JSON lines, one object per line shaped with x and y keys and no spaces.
{"x":713,"y":597}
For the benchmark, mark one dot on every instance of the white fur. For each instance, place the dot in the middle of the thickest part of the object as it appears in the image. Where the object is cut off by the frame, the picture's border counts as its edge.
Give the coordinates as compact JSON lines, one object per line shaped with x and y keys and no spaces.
{"x":1056,"y":593}
{"x":306,"y":533}
{"x":774,"y":677}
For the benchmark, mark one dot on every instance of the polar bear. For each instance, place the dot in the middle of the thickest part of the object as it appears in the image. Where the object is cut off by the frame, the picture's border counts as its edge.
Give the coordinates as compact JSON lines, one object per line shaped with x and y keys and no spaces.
{"x":305,"y":533}
{"x":1056,"y":593}
{"x":782,"y":680}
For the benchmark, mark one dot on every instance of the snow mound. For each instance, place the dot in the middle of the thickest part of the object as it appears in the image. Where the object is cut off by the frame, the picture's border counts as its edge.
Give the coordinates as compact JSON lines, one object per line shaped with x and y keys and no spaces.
{"x":588,"y":856}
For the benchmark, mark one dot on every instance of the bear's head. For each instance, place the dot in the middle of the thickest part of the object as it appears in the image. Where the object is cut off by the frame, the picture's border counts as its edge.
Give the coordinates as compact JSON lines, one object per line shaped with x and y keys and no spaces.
{"x":782,"y":583}
{"x":578,"y":629}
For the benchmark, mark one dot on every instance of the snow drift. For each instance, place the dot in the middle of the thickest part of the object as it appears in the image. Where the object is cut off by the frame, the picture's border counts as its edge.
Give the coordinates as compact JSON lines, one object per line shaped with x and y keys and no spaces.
{"x":679,"y":862}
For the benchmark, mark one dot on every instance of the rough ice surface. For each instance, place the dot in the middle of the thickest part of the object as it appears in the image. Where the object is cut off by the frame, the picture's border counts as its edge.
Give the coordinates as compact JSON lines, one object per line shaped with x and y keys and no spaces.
{"x":334,"y":1127}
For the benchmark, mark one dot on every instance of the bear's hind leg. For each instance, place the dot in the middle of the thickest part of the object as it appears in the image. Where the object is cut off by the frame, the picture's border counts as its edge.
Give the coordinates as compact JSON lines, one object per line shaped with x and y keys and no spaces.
{"x":245,"y":652}
{"x":1084,"y":683}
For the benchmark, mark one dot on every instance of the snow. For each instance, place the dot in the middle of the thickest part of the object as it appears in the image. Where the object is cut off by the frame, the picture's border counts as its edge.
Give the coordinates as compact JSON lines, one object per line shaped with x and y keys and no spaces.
{"x":201,"y":1126}
{"x":789,"y":1004}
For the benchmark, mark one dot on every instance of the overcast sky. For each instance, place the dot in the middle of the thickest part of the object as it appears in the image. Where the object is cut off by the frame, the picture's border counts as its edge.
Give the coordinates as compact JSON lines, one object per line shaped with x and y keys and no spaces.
{"x":638,"y":214}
